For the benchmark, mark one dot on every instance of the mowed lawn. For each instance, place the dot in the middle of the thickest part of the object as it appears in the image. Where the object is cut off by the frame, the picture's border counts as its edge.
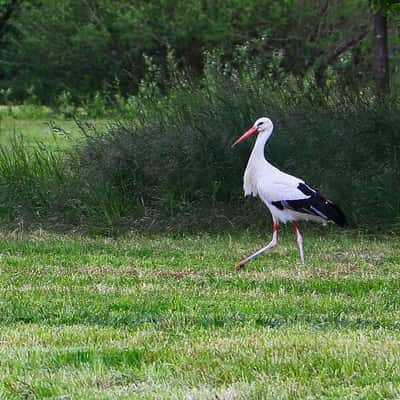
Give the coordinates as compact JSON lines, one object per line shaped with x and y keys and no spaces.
{"x":163,"y":317}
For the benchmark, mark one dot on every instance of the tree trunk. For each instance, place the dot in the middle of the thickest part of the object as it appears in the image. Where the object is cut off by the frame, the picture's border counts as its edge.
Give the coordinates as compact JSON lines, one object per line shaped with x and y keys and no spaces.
{"x":381,"y":54}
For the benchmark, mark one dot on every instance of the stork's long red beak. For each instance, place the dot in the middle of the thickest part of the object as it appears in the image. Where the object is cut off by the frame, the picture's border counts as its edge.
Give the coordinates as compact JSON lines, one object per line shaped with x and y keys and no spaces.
{"x":251,"y":132}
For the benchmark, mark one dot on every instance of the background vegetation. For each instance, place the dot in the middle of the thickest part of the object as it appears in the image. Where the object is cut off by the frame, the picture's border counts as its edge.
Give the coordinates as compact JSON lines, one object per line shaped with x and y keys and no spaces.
{"x":173,"y":84}
{"x":52,"y":49}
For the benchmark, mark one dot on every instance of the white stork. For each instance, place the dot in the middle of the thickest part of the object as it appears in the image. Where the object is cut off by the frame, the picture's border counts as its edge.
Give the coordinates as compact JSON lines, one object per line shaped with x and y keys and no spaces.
{"x":289,"y":199}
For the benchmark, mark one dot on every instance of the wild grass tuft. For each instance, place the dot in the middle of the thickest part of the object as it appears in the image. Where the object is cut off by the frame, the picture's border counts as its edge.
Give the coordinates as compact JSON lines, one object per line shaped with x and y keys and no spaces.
{"x":29,"y":178}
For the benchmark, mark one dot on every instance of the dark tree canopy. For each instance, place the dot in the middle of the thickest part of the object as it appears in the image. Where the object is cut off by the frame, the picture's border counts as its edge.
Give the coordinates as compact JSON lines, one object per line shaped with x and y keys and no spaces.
{"x":86,"y":46}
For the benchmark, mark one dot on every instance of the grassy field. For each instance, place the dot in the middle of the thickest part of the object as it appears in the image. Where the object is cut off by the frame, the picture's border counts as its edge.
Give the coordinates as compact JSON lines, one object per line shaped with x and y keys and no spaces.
{"x":48,"y":128}
{"x":163,"y":317}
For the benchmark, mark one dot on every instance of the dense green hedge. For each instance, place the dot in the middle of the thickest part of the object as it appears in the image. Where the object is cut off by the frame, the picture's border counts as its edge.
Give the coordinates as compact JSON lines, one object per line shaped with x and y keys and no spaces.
{"x":173,"y":165}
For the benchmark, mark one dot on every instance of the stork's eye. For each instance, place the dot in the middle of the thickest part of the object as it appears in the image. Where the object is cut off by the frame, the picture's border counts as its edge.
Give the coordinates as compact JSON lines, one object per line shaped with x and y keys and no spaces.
{"x":260,"y":123}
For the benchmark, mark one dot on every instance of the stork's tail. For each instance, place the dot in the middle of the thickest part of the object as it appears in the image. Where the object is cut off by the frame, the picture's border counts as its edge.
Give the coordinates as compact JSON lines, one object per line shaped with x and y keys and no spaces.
{"x":323,"y":207}
{"x":334,"y":213}
{"x":316,"y":205}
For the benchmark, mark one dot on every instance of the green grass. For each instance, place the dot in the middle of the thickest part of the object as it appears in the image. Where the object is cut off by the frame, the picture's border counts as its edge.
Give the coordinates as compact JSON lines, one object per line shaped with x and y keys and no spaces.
{"x":35,"y":130}
{"x":163,"y":317}
{"x":49,"y":129}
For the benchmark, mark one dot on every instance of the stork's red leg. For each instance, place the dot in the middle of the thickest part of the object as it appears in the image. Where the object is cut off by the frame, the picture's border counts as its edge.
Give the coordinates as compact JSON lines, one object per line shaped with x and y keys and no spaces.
{"x":299,"y":240}
{"x":269,"y":246}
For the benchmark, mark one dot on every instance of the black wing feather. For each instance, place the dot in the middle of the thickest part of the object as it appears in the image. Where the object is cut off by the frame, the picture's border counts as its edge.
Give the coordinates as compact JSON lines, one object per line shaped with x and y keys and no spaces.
{"x":315,"y":204}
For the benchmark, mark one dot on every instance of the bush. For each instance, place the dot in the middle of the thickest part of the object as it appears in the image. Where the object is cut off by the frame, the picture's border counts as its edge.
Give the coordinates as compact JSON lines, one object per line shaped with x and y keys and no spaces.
{"x":178,"y":159}
{"x":173,"y":166}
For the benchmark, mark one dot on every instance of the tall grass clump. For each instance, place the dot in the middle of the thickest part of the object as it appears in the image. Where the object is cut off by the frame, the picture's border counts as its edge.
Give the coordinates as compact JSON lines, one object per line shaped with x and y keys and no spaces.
{"x":171,"y":166}
{"x":30,"y":177}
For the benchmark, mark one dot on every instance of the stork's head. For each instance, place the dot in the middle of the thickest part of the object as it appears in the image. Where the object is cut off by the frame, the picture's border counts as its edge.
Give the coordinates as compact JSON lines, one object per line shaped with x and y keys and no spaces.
{"x":261,"y":126}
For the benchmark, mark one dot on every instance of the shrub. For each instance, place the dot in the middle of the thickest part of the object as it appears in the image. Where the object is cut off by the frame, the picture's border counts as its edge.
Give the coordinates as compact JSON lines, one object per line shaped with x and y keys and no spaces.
{"x":172,"y":166}
{"x":178,"y":159}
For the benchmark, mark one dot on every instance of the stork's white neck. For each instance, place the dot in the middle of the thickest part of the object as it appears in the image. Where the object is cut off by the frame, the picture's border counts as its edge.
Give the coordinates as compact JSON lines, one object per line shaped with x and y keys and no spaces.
{"x":257,"y":153}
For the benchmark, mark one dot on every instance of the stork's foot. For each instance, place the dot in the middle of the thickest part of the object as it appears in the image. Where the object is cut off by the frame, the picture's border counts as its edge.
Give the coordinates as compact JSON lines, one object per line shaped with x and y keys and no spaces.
{"x":241,"y":264}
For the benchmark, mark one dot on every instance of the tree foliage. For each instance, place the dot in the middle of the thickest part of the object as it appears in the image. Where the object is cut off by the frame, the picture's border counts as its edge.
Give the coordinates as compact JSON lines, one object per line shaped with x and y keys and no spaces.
{"x":388,"y":6}
{"x":7,"y":11}
{"x":82,"y":47}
